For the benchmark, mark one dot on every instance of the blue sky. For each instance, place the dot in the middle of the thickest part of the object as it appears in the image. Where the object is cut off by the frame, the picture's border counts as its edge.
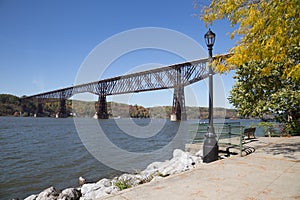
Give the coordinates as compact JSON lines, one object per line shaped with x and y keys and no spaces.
{"x":44,"y":43}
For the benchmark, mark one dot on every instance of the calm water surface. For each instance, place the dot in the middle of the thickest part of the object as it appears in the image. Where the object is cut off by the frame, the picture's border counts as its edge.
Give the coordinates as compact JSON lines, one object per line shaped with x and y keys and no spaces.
{"x":37,"y":153}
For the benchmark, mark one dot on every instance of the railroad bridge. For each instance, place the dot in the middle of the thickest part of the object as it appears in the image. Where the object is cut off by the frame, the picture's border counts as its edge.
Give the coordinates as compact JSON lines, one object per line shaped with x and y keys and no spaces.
{"x":175,"y":76}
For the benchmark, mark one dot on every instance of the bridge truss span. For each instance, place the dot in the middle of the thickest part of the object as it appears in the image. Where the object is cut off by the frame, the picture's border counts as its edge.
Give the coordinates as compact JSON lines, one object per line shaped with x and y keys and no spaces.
{"x":175,"y":76}
{"x":155,"y":79}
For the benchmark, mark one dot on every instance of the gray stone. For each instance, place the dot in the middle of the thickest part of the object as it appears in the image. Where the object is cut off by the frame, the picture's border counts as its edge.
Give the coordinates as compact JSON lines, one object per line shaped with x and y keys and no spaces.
{"x":31,"y":197}
{"x":156,"y":178}
{"x":69,"y":194}
{"x":87,"y":188}
{"x":100,"y":193}
{"x":95,"y":190}
{"x":178,"y":153}
{"x":180,"y":162}
{"x":130,"y":179}
{"x":93,"y":195}
{"x":153,"y":169}
{"x":104,"y":182}
{"x":199,"y":153}
{"x":153,"y":166}
{"x":48,"y":194}
{"x":112,"y":190}
{"x":196,"y":159}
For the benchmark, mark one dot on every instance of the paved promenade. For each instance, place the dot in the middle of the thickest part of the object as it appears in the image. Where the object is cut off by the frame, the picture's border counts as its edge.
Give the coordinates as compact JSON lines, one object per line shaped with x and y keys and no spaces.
{"x":271,"y":172}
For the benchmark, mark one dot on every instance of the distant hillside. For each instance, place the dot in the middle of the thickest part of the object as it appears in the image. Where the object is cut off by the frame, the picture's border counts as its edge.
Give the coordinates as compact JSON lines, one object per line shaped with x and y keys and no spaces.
{"x":11,"y":105}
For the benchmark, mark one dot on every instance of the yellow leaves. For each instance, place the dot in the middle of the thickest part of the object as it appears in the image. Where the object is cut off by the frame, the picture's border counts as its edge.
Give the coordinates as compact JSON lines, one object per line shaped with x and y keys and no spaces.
{"x":233,"y":34}
{"x":270,"y":30}
{"x":266,"y":71}
{"x":293,"y":72}
{"x":221,"y":68}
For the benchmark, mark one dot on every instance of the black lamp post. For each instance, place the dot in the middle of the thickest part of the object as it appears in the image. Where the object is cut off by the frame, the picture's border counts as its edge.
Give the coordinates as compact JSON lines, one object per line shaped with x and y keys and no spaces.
{"x":210,"y":146}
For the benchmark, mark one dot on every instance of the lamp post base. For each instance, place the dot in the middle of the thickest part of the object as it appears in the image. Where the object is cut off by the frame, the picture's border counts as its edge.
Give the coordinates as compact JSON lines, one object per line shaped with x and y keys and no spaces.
{"x":210,"y":148}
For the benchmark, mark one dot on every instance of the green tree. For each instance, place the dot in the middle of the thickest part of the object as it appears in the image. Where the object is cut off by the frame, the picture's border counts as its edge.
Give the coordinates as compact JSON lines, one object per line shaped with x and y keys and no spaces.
{"x":255,"y":95}
{"x":9,"y":104}
{"x":266,"y":58}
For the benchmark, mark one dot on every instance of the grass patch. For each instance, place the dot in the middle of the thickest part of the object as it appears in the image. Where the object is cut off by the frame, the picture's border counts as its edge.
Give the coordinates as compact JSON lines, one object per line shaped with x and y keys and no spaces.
{"x":123,"y":185}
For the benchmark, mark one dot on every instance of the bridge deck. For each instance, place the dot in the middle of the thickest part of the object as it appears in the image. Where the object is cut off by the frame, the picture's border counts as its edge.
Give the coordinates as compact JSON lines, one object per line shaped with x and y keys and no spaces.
{"x":172,"y":76}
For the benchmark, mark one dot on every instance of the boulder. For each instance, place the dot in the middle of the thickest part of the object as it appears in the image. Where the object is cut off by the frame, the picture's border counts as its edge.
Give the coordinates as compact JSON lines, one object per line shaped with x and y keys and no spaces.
{"x":87,"y":188}
{"x":154,"y":169}
{"x":199,"y":153}
{"x":196,"y":159}
{"x":180,"y":162}
{"x":104,"y":182}
{"x":69,"y":194}
{"x":95,"y":190}
{"x":112,"y":190}
{"x":31,"y":197}
{"x":100,"y":193}
{"x":93,"y":195}
{"x":130,"y":179}
{"x":48,"y":194}
{"x":178,"y":153}
{"x":156,"y":178}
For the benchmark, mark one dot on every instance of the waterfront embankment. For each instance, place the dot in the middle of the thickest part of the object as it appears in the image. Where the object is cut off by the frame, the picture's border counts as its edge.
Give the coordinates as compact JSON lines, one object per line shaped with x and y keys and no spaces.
{"x":271,"y":172}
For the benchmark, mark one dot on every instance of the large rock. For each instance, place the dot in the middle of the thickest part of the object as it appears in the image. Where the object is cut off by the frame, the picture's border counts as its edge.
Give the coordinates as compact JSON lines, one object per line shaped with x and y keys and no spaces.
{"x":104,"y":182}
{"x":95,"y":190}
{"x":180,"y":162}
{"x":199,"y":153}
{"x":69,"y":194}
{"x":154,"y":169}
{"x":87,"y":188}
{"x":156,"y":178}
{"x":93,"y":195}
{"x":31,"y":197}
{"x":112,"y":190}
{"x":49,"y":194}
{"x":130,"y":179}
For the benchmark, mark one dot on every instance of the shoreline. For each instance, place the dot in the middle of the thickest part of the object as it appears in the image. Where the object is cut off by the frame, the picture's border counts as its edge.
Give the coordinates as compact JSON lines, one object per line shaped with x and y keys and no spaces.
{"x":181,"y":161}
{"x":183,"y":164}
{"x":271,"y":172}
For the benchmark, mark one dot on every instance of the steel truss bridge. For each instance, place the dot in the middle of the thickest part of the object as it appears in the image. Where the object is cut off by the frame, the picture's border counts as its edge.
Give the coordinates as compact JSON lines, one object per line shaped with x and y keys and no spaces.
{"x":175,"y":76}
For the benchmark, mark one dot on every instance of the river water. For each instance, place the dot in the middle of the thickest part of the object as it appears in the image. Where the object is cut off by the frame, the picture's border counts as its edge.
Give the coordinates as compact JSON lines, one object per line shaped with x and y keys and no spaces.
{"x":37,"y":153}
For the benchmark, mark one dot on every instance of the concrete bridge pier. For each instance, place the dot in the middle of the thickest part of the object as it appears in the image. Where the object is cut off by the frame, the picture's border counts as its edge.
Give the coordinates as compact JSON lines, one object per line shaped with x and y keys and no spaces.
{"x":62,"y":112}
{"x":101,"y":108}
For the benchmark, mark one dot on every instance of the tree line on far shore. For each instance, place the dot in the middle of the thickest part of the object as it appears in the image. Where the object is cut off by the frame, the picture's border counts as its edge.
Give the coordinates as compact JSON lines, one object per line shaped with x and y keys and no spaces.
{"x":10,"y":105}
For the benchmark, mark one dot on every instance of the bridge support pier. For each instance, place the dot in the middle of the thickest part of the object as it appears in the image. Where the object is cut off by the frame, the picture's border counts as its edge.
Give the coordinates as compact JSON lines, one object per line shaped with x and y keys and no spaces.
{"x":101,"y":108}
{"x":62,"y":112}
{"x":39,"y":109}
{"x":22,"y":107}
{"x":178,"y":108}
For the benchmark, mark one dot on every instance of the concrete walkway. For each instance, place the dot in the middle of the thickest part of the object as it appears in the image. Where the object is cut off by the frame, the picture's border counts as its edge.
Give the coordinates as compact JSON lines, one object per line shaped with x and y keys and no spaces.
{"x":271,"y":172}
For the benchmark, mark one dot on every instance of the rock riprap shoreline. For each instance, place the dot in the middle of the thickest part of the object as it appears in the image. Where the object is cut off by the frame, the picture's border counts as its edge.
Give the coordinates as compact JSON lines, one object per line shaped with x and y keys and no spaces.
{"x":181,"y":161}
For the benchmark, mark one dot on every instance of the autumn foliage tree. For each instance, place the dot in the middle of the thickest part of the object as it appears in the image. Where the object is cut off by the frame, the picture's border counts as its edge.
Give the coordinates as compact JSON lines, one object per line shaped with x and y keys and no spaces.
{"x":266,"y":57}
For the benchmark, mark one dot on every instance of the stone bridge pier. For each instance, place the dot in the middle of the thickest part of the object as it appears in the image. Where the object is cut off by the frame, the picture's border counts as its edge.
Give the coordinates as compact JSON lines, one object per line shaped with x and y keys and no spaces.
{"x":178,"y":108}
{"x":101,"y":108}
{"x":39,"y":109}
{"x":62,"y":111}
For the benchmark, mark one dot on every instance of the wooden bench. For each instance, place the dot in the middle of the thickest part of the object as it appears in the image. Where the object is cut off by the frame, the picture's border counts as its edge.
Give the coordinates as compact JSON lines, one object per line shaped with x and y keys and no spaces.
{"x":249,"y":132}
